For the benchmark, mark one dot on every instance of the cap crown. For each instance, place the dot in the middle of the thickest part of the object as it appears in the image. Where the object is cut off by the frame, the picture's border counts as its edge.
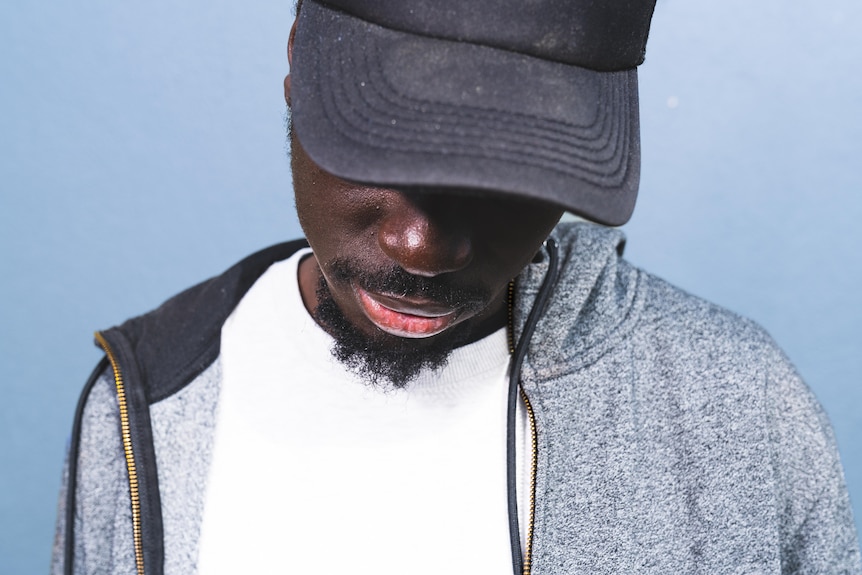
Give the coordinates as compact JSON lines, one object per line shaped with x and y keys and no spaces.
{"x":602,"y":35}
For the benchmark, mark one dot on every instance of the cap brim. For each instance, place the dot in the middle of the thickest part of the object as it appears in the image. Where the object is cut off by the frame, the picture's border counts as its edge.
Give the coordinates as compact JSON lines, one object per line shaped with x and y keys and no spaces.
{"x":379,"y":106}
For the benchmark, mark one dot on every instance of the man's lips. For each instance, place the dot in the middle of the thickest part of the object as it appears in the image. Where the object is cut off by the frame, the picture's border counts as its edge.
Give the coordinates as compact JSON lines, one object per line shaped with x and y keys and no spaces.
{"x":404,"y":316}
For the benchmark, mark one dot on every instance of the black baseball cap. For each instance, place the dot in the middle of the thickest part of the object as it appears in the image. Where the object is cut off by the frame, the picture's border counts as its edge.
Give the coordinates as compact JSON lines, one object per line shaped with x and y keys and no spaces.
{"x":533,"y":98}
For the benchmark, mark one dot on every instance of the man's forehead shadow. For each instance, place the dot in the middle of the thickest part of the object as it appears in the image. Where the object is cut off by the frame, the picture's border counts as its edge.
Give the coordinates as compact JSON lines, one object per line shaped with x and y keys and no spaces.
{"x":491,"y":197}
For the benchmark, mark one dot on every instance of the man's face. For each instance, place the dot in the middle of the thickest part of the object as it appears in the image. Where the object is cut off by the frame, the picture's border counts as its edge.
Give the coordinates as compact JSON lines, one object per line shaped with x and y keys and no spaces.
{"x":411,"y":273}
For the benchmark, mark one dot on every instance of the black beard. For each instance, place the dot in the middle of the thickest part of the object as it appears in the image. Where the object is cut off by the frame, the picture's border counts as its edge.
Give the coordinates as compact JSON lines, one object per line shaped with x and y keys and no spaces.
{"x":390,"y":359}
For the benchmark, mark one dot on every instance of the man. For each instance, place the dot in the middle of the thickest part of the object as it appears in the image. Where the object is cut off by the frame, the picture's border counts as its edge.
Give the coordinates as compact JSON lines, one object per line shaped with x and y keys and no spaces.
{"x":443,"y":378}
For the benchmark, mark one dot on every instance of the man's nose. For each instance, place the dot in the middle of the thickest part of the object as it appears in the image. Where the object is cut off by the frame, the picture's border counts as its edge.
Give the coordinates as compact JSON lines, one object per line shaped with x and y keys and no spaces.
{"x":425,"y":235}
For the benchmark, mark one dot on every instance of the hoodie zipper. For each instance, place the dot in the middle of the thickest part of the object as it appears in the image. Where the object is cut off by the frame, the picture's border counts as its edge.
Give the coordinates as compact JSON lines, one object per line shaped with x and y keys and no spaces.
{"x":125,"y":432}
{"x":534,"y":450}
{"x":528,"y":539}
{"x":523,"y":562}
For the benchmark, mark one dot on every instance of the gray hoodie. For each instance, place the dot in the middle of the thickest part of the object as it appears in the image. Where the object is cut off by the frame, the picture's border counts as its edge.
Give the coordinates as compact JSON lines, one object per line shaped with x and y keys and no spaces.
{"x":673,"y":436}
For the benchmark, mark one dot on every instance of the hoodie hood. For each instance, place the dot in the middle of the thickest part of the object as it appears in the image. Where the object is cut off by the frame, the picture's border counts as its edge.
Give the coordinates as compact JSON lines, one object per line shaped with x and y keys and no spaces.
{"x":594,"y":301}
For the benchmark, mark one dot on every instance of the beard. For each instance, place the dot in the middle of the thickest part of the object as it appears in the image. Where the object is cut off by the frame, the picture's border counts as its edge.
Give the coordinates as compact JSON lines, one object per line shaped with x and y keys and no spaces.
{"x":384,"y":360}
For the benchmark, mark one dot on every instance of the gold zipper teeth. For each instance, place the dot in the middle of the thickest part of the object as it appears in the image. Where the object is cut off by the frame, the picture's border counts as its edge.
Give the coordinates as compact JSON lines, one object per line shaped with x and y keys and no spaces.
{"x":126,"y":435}
{"x":534,"y":440}
{"x":534,"y":444}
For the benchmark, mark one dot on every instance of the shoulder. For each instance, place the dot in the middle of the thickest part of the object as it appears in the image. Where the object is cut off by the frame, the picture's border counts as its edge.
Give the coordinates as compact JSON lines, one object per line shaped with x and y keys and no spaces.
{"x":602,"y":303}
{"x":679,"y":346}
{"x":717,"y":352}
{"x":174,"y":343}
{"x":687,"y":323}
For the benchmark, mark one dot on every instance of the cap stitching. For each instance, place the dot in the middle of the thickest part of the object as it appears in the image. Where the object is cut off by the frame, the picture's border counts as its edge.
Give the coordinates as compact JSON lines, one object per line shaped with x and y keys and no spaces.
{"x":394,"y":141}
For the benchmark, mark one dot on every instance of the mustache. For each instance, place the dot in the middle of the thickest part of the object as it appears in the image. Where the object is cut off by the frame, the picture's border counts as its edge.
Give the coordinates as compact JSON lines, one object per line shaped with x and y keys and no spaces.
{"x":396,"y":281}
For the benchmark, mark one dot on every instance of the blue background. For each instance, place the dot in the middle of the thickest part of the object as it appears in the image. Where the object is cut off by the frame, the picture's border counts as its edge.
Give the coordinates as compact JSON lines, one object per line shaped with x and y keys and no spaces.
{"x":142,"y":149}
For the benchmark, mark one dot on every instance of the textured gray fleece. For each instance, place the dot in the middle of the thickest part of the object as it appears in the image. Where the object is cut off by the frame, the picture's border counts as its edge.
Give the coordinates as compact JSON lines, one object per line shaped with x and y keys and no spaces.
{"x":674,"y":437}
{"x":183,"y":427}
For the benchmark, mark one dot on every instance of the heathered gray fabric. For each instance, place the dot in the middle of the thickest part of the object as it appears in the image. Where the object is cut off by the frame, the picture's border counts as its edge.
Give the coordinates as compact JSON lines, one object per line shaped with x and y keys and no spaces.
{"x":183,"y":435}
{"x":103,"y":517}
{"x":183,"y":427}
{"x":677,"y":436}
{"x":674,"y":437}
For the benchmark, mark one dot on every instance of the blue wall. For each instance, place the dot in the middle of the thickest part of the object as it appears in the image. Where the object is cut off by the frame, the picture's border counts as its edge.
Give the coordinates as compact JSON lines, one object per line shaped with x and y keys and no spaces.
{"x":142,"y":149}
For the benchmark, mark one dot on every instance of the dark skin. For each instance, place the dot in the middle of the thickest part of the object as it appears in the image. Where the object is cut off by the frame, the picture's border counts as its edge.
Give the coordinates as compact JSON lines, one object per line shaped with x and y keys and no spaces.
{"x":462,"y":238}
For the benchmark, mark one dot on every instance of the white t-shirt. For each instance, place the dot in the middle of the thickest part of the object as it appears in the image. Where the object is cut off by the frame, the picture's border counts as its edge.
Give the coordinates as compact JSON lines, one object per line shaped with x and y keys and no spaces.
{"x":315,"y":471}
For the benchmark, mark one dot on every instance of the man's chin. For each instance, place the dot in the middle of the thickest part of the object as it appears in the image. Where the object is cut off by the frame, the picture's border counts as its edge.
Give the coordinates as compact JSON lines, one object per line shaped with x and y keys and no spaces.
{"x":384,"y":359}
